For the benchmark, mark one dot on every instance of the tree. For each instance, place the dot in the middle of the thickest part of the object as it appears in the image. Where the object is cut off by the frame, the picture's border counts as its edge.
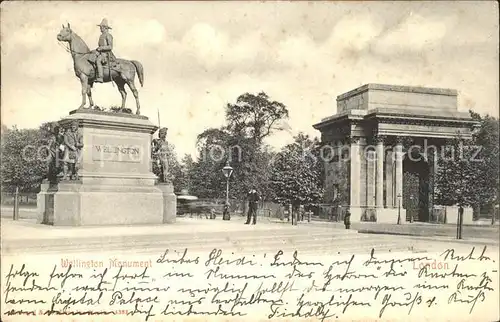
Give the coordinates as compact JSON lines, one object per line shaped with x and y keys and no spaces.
{"x":255,"y":116}
{"x":24,"y":156}
{"x":468,"y":171}
{"x":251,"y":119}
{"x":457,"y":175}
{"x":296,"y":173}
{"x":486,"y":141}
{"x":187,"y":166}
{"x":207,"y":180}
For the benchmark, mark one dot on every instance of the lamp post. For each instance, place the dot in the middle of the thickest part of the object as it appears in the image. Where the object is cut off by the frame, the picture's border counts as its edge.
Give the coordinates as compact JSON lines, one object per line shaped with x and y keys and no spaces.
{"x":227,"y":171}
{"x":399,"y":208}
{"x":493,"y":215}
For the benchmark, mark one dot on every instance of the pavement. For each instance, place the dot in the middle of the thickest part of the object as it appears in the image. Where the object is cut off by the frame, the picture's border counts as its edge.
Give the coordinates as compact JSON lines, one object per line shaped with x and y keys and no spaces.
{"x":269,"y":235}
{"x":416,"y":229}
{"x":25,"y":235}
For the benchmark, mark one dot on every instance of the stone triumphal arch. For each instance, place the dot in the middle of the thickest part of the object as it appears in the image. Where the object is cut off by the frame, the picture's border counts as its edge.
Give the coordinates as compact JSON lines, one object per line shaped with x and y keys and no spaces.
{"x":384,"y":143}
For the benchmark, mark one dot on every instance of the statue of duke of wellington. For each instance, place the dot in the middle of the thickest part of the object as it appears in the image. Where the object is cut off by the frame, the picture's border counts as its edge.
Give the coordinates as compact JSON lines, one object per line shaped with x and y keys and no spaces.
{"x":104,"y":52}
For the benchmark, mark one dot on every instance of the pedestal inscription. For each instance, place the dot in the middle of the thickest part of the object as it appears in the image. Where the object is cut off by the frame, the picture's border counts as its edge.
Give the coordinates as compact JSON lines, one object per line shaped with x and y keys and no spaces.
{"x":118,"y":150}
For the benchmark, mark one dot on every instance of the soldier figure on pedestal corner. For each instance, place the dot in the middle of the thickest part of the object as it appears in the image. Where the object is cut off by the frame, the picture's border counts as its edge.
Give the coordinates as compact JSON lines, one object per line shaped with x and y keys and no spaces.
{"x":73,"y":143}
{"x":56,"y":152}
{"x":160,"y":154}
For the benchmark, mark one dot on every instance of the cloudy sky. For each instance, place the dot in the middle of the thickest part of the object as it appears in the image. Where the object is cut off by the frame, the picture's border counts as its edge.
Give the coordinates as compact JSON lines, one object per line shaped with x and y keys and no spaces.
{"x":200,"y":56}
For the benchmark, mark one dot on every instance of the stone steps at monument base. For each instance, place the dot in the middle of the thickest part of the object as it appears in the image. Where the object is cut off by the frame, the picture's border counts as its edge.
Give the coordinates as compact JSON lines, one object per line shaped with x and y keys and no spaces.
{"x":319,"y":242}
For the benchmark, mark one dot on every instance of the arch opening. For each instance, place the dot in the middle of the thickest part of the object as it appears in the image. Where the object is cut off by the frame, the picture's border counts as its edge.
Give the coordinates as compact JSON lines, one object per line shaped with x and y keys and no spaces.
{"x":416,"y":187}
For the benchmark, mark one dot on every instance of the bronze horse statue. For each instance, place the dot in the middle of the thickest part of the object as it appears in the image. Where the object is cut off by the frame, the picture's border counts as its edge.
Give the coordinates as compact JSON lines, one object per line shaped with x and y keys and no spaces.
{"x":123,"y":72}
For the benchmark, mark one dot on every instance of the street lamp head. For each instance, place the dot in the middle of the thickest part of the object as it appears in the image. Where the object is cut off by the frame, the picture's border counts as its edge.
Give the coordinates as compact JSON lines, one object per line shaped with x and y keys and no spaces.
{"x":227,"y":170}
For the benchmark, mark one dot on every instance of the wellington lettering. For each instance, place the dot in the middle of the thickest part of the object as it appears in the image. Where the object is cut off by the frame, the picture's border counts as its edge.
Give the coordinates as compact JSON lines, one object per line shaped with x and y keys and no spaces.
{"x":117,"y":149}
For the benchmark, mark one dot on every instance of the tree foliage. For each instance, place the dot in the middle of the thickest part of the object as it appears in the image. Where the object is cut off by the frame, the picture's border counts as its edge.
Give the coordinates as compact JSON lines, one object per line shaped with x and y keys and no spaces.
{"x":468,"y":170}
{"x":23,"y":158}
{"x":456,"y":175}
{"x":296,"y":173}
{"x":186,"y":174}
{"x":240,"y":142}
{"x":255,"y":116}
{"x":487,"y":141}
{"x":207,"y":178}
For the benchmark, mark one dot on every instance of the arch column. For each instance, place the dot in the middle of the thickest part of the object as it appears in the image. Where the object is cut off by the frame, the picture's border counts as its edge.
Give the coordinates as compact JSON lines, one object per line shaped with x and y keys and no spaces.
{"x":379,"y":172}
{"x":355,"y":171}
{"x":355,"y":179}
{"x":389,"y":202}
{"x":394,"y":184}
{"x":398,"y":180}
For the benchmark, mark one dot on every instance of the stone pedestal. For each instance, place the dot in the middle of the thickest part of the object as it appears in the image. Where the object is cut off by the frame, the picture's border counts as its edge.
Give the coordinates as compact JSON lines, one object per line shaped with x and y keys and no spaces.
{"x":356,"y":213}
{"x":116,"y":185}
{"x":42,"y":199}
{"x":169,"y":203}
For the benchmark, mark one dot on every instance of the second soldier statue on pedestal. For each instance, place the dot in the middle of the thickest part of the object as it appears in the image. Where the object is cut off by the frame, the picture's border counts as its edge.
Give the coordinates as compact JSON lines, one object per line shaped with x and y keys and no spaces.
{"x":160,"y":152}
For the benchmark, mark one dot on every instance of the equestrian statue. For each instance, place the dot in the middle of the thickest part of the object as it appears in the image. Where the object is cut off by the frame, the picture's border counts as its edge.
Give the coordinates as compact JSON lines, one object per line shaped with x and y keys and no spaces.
{"x":101,"y":65}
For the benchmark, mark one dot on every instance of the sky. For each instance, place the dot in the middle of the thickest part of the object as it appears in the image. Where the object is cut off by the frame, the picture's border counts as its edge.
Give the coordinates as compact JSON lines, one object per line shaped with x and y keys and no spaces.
{"x":199,"y":56}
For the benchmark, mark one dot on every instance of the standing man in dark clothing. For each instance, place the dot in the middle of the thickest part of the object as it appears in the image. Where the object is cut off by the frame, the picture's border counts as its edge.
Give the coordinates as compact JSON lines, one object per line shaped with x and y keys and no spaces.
{"x":253,"y":199}
{"x":225,"y":212}
{"x":347,"y":220}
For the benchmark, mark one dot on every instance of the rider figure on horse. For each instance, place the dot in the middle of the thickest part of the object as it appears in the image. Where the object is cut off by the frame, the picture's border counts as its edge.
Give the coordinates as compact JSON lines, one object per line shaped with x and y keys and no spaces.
{"x":104,"y":51}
